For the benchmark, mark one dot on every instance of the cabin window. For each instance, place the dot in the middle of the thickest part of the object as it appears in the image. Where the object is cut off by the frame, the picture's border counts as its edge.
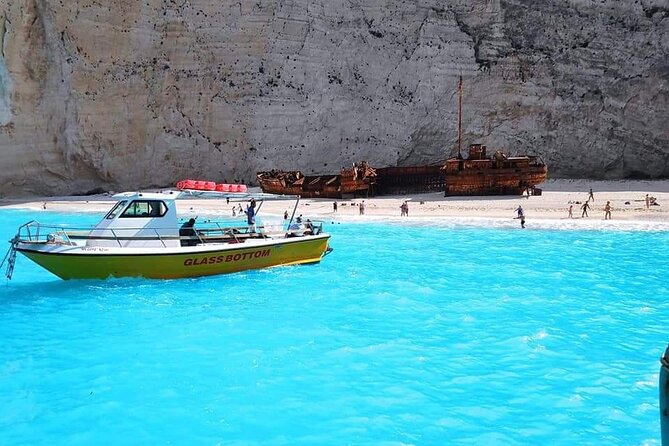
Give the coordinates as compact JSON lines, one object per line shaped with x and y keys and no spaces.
{"x":115,"y":210}
{"x":145,"y":209}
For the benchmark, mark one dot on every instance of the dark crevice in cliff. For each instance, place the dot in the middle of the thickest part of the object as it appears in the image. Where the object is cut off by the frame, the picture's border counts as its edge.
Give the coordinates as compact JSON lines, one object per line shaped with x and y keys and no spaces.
{"x":652,"y":10}
{"x":477,"y":39}
{"x":371,"y":30}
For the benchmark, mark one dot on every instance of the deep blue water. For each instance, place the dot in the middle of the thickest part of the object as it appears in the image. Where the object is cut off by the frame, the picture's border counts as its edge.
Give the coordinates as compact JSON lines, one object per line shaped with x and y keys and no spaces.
{"x":403,"y":335}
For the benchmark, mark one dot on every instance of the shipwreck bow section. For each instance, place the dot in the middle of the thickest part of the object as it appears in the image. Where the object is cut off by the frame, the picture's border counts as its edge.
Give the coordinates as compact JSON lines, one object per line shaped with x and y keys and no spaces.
{"x":358,"y":180}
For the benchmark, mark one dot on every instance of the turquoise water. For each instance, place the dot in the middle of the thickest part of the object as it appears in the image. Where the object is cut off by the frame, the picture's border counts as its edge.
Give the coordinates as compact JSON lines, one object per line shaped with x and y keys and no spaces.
{"x":403,"y":335}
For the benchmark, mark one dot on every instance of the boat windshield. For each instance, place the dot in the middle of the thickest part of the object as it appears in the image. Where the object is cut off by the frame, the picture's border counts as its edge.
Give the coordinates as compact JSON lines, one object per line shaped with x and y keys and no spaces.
{"x":142,"y":208}
{"x":115,"y":210}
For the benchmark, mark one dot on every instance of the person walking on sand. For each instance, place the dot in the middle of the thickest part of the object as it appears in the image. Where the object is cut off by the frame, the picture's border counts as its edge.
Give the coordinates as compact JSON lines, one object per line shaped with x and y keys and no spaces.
{"x":521,"y":216}
{"x":334,"y":206}
{"x":406,"y":209}
{"x":571,"y":207}
{"x":591,"y":196}
{"x":361,"y":208}
{"x":607,"y":211}
{"x":585,"y":208}
{"x":647,"y":202}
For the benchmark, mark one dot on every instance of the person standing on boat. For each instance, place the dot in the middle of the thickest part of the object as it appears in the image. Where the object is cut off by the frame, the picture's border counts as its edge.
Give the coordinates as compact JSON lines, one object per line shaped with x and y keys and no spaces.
{"x":251,"y":215}
{"x":521,"y":216}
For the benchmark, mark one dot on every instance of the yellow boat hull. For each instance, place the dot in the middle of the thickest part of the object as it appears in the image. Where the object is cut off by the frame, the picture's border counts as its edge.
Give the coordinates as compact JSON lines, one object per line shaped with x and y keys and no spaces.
{"x":75,"y":264}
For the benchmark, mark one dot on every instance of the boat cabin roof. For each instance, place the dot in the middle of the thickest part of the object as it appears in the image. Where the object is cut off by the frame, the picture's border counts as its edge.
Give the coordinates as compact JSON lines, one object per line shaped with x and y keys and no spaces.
{"x":164,"y":196}
{"x":171,"y":195}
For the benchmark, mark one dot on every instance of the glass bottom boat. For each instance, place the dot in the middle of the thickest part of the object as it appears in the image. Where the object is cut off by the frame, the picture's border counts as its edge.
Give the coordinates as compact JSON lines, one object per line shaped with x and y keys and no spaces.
{"x":140,"y":236}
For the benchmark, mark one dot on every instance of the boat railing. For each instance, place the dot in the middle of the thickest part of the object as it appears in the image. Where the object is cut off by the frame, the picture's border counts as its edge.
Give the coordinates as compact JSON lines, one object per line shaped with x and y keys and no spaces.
{"x":35,"y":232}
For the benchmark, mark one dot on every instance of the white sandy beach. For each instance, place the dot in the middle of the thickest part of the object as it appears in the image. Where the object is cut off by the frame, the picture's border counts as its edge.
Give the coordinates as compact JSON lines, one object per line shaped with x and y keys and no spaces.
{"x":547,"y":210}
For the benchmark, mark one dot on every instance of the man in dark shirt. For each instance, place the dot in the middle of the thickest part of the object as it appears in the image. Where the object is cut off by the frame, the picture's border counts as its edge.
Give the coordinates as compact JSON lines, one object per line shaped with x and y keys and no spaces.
{"x":187,"y":230}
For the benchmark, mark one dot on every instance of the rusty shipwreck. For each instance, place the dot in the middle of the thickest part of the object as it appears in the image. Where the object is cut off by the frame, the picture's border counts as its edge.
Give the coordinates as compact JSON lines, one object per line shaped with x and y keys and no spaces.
{"x":496,"y":175}
{"x":358,"y":180}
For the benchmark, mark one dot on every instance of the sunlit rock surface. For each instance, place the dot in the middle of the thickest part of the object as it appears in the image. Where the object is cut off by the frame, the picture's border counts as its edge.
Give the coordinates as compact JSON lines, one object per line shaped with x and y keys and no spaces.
{"x":125,"y":94}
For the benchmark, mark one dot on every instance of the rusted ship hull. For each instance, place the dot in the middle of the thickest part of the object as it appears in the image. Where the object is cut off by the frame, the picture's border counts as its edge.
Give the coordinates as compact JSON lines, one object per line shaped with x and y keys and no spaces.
{"x":349,"y":182}
{"x":498,"y":182}
{"x":476,"y":175}
{"x":312,"y":189}
{"x":496,"y":175}
{"x":414,"y":179}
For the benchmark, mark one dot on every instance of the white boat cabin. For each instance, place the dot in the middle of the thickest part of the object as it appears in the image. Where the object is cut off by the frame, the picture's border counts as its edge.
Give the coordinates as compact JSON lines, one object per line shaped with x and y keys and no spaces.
{"x":139,"y":220}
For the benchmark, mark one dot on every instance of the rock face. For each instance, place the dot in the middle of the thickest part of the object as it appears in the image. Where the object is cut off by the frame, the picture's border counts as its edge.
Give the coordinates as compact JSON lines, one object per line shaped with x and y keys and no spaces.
{"x":124,"y":94}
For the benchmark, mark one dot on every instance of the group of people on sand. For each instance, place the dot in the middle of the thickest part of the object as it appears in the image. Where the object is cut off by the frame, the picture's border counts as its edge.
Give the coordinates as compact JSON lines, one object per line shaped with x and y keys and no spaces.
{"x":650,"y":201}
{"x":585,"y":206}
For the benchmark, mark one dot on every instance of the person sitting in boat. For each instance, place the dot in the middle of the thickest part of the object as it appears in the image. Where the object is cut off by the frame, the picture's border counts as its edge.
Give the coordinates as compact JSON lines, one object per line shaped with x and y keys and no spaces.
{"x":297,"y":224}
{"x":187,"y":230}
{"x":309,"y":226}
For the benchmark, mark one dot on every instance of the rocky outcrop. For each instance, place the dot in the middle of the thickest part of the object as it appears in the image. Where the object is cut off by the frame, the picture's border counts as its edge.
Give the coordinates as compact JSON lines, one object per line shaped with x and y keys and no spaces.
{"x":125,"y":94}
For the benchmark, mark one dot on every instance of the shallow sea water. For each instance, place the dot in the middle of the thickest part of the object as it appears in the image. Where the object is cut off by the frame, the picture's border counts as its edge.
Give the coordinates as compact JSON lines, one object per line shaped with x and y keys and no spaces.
{"x":420,"y":335}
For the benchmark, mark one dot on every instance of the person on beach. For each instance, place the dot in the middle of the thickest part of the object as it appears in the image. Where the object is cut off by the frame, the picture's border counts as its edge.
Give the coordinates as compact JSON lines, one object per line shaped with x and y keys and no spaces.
{"x":607,"y":211}
{"x":521,"y":216}
{"x":585,"y":206}
{"x":44,"y":205}
{"x":591,"y":196}
{"x":647,"y":202}
{"x":406,"y":209}
{"x":334,"y":206}
{"x":571,"y":207}
{"x":285,"y":215}
{"x":234,"y":212}
{"x":361,"y":208}
{"x":403,"y":209}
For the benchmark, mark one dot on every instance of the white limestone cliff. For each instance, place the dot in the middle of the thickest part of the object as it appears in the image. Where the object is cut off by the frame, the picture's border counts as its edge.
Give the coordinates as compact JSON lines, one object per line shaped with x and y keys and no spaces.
{"x":125,"y":94}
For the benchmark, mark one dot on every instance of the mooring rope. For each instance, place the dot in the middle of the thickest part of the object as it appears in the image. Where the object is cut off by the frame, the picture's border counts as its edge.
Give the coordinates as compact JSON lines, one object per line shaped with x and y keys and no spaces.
{"x":10,"y":258}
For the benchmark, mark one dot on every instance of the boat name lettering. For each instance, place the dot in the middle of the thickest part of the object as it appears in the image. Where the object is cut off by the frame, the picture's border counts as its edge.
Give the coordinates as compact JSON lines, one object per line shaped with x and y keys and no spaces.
{"x":227,"y":258}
